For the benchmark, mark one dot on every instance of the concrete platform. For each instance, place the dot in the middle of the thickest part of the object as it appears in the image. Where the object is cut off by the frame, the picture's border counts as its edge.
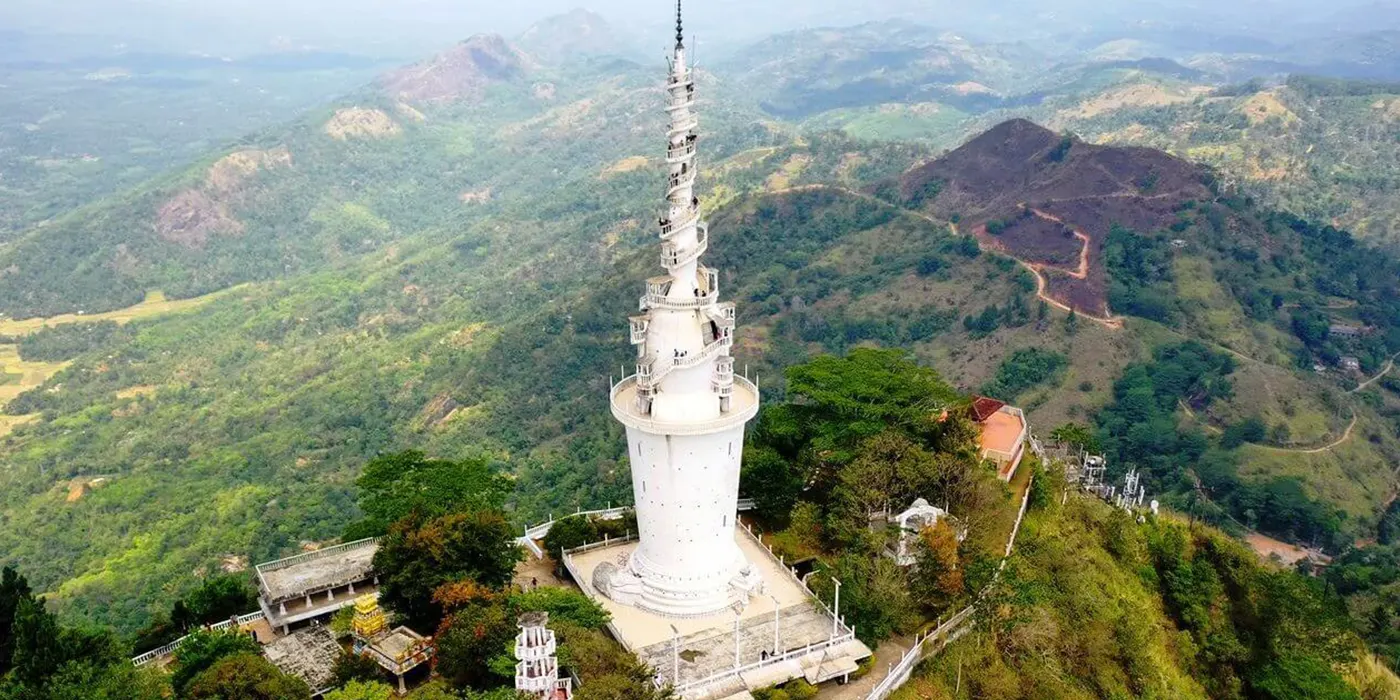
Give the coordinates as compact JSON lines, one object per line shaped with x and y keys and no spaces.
{"x":705,"y":646}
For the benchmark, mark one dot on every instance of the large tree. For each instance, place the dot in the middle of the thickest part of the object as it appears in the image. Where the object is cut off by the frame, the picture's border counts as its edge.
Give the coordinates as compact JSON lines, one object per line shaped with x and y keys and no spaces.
{"x":394,"y":486}
{"x":14,"y":589}
{"x":202,"y":649}
{"x":418,"y":556}
{"x":469,"y":640}
{"x":246,"y":677}
{"x":937,"y":578}
{"x":836,"y":406}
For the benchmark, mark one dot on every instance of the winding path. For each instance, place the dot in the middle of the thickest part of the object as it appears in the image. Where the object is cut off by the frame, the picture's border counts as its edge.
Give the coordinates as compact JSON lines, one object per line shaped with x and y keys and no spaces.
{"x":1318,"y":450}
{"x":1389,"y":365}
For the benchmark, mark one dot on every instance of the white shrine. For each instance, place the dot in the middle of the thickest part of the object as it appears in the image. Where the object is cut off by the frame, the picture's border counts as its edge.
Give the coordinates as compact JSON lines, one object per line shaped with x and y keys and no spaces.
{"x":684,"y":409}
{"x":912,"y":522}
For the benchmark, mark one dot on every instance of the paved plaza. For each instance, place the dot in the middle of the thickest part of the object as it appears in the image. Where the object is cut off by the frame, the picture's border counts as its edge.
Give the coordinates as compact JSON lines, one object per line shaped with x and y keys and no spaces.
{"x":705,"y":646}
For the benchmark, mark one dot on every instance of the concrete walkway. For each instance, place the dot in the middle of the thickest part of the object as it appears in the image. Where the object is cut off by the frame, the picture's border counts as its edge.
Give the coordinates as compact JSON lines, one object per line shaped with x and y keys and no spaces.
{"x":886,"y":655}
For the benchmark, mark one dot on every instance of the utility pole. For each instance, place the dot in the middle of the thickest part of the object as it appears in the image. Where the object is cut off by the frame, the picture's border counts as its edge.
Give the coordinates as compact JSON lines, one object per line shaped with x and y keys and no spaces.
{"x":775,"y":625}
{"x":836,"y":613}
{"x":675,"y":656}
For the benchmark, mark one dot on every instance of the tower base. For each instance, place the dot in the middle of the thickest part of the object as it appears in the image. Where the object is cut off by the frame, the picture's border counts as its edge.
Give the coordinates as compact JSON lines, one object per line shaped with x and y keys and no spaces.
{"x":630,"y":581}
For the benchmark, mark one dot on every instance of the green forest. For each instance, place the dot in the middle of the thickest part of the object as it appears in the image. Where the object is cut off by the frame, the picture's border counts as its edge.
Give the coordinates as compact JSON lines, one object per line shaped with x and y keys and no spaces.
{"x":431,"y":313}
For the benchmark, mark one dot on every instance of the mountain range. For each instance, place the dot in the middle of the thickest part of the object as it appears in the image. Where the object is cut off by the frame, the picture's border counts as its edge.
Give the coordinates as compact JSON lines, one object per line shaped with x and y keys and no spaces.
{"x":444,"y":259}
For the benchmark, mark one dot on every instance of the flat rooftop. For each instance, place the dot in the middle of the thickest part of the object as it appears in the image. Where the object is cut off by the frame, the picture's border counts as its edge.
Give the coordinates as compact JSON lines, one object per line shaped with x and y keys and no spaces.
{"x":1002,"y":432}
{"x":317,"y":571}
{"x":308,"y":654}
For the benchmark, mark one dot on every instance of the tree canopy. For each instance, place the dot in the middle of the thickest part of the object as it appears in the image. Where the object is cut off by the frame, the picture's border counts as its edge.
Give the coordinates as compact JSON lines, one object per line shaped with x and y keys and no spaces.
{"x":396,"y":485}
{"x":419,"y":555}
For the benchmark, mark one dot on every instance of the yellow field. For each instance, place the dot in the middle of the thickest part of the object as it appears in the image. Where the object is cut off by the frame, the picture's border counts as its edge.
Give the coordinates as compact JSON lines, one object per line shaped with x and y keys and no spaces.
{"x":34,"y":374}
{"x":155,"y":305}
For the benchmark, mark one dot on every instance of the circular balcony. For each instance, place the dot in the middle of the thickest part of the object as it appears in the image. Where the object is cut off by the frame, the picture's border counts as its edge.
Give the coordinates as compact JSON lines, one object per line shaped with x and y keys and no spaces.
{"x":743,"y":406}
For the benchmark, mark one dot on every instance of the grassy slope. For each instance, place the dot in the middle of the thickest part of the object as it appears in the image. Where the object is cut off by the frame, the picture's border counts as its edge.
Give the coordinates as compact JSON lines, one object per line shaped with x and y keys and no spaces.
{"x":1098,"y":629}
{"x":268,"y":400}
{"x":1089,"y":622}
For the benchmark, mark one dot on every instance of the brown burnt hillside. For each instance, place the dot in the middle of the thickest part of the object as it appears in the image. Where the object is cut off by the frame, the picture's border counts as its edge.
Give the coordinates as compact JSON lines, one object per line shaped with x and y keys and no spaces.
{"x":1051,"y":203}
{"x":460,"y":73}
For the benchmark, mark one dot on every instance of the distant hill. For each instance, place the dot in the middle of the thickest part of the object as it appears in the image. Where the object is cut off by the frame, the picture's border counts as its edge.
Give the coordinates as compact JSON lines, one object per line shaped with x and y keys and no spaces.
{"x":462,"y":72}
{"x":1035,"y":190}
{"x":1326,"y":149}
{"x":571,"y":36}
{"x":802,"y":74}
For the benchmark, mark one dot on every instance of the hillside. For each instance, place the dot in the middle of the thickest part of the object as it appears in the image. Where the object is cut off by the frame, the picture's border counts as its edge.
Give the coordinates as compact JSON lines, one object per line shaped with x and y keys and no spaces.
{"x":467,"y":342}
{"x":1096,"y":605}
{"x":1138,"y":240}
{"x":1323,"y":149}
{"x":334,"y":185}
{"x":463,"y":72}
{"x":571,"y":36}
{"x":1052,"y":203}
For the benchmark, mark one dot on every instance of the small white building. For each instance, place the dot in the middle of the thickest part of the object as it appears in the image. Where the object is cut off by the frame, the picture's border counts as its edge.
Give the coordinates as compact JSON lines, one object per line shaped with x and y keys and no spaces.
{"x":912,"y":522}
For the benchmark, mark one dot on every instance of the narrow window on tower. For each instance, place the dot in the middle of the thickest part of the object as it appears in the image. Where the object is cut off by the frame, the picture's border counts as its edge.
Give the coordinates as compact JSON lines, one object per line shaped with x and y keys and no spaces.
{"x":644,"y":486}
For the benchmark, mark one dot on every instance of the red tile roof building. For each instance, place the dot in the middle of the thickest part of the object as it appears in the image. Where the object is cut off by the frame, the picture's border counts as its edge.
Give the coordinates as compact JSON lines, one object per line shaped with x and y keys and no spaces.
{"x":1004,"y":431}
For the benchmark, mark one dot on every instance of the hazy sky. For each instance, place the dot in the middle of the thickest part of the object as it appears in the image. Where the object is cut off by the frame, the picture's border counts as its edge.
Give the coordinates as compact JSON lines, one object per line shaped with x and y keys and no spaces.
{"x":410,"y":27}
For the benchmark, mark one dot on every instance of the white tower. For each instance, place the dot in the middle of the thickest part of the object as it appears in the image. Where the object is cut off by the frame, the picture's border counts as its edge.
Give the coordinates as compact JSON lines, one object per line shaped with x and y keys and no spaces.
{"x":684,"y":409}
{"x":537,"y":672}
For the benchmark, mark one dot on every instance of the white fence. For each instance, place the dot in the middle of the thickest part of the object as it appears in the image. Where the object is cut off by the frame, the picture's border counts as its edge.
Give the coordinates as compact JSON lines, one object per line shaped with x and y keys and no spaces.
{"x":955,"y":627}
{"x":170,"y":648}
{"x":899,"y":673}
{"x":801,"y":652}
{"x":537,"y":532}
{"x":792,"y":571}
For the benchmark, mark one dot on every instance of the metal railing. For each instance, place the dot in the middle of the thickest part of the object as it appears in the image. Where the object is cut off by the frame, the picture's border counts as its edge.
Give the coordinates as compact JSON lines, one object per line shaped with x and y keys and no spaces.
{"x":672,"y":257}
{"x":690,"y":124}
{"x":653,"y":370}
{"x":676,"y":154}
{"x":278,"y":564}
{"x":688,"y":100}
{"x":143,"y":659}
{"x":671,"y":228}
{"x":899,"y":673}
{"x":775,"y":659}
{"x":536,"y":532}
{"x":792,"y":572}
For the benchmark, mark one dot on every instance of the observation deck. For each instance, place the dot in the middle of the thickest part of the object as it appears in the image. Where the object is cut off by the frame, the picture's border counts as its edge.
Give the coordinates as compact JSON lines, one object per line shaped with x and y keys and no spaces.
{"x":658,"y":289}
{"x":669,"y":228}
{"x":743,"y":406}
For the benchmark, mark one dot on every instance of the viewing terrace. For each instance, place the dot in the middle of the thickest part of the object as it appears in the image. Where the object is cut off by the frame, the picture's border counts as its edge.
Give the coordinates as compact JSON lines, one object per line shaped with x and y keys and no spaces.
{"x":313,"y":584}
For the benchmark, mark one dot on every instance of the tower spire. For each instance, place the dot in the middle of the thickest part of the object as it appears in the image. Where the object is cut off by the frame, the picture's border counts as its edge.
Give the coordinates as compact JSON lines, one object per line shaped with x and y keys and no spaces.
{"x":680,"y":34}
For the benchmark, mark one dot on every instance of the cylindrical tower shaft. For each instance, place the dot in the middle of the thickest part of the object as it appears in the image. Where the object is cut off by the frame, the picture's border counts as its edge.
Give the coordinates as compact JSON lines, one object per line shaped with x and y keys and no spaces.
{"x":684,"y":410}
